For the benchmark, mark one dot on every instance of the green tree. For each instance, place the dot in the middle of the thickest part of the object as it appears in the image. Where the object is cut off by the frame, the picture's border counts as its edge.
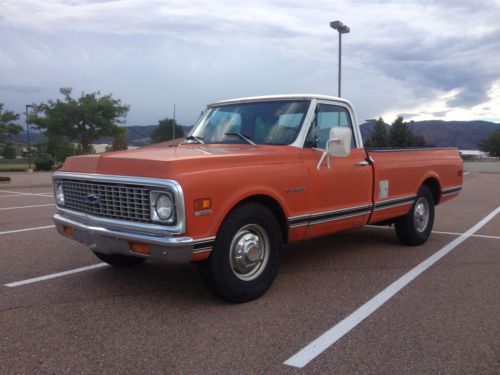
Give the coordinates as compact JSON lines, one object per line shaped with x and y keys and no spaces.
{"x":59,"y":147}
{"x":7,"y":123}
{"x":81,"y":120}
{"x":491,"y":144}
{"x":379,"y":136}
{"x":420,"y":141}
{"x":164,"y":131}
{"x":400,"y":134}
{"x":9,"y":151}
{"x":119,"y":144}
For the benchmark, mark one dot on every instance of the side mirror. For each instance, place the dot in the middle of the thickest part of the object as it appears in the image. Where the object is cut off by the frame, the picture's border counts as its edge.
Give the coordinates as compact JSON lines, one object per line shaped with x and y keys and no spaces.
{"x":339,"y":143}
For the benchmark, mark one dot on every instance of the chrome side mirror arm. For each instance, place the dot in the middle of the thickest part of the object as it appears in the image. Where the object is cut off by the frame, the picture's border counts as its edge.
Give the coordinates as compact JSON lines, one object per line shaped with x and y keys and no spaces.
{"x":325,"y":153}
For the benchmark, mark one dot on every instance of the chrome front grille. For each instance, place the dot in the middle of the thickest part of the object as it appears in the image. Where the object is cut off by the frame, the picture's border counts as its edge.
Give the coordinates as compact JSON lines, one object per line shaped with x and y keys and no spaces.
{"x":111,"y":200}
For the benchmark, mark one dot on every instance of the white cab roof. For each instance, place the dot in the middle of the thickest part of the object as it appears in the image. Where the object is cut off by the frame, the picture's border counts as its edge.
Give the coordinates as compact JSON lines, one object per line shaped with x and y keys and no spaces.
{"x":278,"y":97}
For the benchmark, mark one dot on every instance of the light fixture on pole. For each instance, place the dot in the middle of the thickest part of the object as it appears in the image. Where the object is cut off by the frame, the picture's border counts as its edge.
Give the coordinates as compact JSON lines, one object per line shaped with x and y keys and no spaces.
{"x":342,"y":29}
{"x":28,"y":106}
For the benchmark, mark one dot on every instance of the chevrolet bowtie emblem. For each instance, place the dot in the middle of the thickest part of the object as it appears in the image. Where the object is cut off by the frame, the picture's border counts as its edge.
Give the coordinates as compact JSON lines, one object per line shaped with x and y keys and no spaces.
{"x":92,"y":199}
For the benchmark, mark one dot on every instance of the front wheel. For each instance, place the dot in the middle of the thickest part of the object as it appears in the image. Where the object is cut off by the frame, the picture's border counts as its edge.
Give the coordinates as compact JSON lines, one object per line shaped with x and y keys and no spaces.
{"x":415,"y":227}
{"x":118,"y":260}
{"x":246,"y":255}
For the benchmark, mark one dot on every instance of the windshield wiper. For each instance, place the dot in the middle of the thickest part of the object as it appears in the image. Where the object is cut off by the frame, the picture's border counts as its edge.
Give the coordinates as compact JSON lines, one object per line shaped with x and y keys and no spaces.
{"x":246,"y":139}
{"x":193,"y":138}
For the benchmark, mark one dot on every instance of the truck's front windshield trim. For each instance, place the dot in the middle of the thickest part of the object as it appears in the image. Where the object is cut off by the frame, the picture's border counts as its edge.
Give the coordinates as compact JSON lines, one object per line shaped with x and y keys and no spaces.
{"x":276,"y":122}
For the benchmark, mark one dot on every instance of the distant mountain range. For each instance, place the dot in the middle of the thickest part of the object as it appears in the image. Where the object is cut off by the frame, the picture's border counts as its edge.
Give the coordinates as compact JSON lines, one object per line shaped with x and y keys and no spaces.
{"x":137,"y":135}
{"x":465,"y":135}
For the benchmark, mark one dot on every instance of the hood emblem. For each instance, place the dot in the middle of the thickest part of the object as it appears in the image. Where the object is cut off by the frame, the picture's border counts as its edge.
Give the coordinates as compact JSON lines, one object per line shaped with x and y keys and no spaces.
{"x":92,"y":199}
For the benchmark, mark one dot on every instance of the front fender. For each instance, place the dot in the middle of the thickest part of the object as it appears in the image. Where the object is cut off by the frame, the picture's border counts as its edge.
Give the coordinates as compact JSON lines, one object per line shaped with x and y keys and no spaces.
{"x":228,"y":187}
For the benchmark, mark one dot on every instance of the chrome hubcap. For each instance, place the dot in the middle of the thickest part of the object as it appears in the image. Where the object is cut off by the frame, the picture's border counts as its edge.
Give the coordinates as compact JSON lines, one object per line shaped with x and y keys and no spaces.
{"x":249,"y":252}
{"x":421,"y":214}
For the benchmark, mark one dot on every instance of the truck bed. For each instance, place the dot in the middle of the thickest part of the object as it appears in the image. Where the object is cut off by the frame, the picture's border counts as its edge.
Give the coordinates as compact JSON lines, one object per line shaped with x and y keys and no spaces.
{"x":398,"y":174}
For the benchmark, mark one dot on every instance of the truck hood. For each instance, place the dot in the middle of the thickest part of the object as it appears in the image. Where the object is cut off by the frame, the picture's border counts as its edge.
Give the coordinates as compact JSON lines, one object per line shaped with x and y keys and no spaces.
{"x":169,"y":162}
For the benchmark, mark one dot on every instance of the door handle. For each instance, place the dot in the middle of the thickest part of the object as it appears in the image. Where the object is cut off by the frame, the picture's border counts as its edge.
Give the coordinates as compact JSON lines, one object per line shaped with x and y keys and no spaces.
{"x":362,"y":163}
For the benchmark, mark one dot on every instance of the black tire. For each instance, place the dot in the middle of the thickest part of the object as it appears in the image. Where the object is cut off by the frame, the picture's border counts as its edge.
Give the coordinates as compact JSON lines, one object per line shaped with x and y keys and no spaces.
{"x":249,"y":229}
{"x":412,"y":229}
{"x":118,"y":260}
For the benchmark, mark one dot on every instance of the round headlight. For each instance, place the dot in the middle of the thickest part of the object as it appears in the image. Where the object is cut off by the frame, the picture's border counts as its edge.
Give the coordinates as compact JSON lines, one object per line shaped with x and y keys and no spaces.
{"x":60,"y":194}
{"x":164,"y":206}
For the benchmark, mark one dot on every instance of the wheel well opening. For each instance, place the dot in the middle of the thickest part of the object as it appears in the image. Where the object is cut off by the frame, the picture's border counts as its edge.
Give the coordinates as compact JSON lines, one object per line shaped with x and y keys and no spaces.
{"x":435,"y":189}
{"x":275,"y":208}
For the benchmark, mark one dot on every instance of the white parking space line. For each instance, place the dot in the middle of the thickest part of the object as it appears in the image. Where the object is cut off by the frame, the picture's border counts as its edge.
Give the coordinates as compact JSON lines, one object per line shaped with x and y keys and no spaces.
{"x":466,"y":173}
{"x":54,"y":275}
{"x":16,"y":193}
{"x":440,"y":232}
{"x":485,"y":236}
{"x":330,"y":337}
{"x":18,"y":207}
{"x":24,"y":196}
{"x":459,"y":234}
{"x":26,"y":229}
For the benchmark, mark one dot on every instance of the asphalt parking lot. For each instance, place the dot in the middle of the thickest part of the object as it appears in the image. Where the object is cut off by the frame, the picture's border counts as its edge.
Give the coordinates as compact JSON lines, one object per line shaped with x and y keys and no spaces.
{"x":159,"y":318}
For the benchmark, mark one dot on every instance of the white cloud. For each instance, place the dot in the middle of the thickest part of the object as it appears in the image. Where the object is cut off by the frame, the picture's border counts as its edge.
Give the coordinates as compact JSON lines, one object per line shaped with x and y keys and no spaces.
{"x":401,"y":56}
{"x":489,"y":110}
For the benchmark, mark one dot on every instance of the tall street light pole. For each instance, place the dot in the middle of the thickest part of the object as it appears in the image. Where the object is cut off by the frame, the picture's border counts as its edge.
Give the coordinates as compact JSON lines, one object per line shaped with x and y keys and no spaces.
{"x":28,"y":106}
{"x":173,"y":128}
{"x":342,"y":29}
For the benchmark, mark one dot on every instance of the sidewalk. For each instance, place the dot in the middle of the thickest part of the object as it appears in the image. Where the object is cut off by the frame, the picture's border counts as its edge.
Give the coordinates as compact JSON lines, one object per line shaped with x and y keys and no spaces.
{"x":25,"y":179}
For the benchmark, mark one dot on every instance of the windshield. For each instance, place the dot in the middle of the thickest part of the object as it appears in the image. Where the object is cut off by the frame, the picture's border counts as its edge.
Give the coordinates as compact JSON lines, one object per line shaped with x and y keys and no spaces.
{"x":267,"y":122}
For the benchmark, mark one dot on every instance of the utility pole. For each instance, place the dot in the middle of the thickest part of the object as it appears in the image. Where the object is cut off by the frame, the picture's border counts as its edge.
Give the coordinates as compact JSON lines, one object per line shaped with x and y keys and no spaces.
{"x":342,"y":29}
{"x":173,"y":127}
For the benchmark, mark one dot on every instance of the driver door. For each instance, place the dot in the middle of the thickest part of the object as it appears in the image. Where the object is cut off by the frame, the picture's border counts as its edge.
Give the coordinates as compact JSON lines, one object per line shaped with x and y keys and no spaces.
{"x":339,"y":198}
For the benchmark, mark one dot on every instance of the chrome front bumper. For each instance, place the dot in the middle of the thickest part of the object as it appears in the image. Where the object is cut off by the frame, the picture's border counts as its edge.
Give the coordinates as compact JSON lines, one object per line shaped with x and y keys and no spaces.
{"x":113,"y":241}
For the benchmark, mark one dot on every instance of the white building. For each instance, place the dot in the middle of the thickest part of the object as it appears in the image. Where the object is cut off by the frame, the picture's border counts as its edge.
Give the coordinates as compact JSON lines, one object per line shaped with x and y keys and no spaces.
{"x":472,"y":154}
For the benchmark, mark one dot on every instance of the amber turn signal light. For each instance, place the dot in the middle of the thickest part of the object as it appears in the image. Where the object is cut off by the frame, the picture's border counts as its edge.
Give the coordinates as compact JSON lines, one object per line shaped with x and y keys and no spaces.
{"x":202,"y":204}
{"x":68,"y":231}
{"x":203,"y":255}
{"x":139,"y":248}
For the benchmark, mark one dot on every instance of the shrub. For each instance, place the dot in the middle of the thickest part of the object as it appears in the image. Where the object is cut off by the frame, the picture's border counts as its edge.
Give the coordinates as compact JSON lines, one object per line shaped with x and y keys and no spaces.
{"x":3,"y":178}
{"x":44,"y":162}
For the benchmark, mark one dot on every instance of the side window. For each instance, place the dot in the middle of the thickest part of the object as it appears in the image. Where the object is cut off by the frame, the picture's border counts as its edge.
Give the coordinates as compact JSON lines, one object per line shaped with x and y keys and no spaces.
{"x":327,"y":117}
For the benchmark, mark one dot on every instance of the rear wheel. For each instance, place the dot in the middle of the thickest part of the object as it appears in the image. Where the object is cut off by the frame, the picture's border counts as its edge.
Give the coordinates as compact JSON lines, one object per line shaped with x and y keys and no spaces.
{"x":246,"y":255}
{"x":118,"y":260}
{"x":414,"y":228}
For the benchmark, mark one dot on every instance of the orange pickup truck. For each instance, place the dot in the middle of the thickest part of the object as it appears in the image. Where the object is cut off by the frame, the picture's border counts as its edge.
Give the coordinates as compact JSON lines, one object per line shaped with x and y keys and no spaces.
{"x":253,"y":174}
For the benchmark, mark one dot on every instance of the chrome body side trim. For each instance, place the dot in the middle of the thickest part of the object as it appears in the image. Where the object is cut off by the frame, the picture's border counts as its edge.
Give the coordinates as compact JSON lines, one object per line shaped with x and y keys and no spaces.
{"x":451,"y":190}
{"x":375,"y":149}
{"x":394,"y":202}
{"x":323,"y":217}
{"x":397,"y":204}
{"x":345,"y":213}
{"x":339,"y":217}
{"x":342,"y":210}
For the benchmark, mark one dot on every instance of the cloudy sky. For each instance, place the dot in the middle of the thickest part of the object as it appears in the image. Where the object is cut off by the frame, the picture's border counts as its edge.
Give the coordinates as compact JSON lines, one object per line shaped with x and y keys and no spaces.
{"x":421,"y":58}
